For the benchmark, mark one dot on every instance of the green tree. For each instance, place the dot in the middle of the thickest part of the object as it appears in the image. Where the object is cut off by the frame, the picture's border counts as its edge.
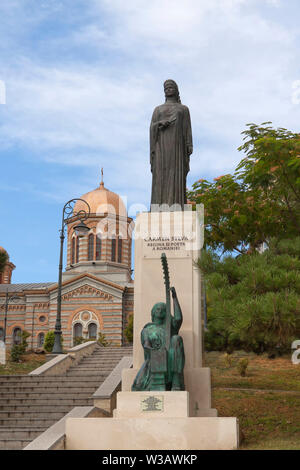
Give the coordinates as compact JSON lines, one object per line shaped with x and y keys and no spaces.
{"x":261,"y":199}
{"x":254,"y":299}
{"x":272,"y":165}
{"x":18,"y":350}
{"x":128,"y":332}
{"x":234,"y":214}
{"x":3,"y":260}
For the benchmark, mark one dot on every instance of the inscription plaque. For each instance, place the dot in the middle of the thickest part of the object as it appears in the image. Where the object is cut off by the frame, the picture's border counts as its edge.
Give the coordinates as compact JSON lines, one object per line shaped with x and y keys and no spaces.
{"x":153,"y":403}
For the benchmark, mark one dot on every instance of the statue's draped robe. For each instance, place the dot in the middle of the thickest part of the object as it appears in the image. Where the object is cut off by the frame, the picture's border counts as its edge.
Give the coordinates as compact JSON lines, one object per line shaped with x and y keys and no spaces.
{"x":169,"y":153}
{"x":154,"y":337}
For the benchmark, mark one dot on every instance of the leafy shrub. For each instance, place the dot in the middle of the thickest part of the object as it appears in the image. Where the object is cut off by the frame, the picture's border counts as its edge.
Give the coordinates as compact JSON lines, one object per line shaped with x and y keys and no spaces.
{"x":78,"y":340}
{"x":49,"y":341}
{"x":242,"y":366}
{"x":228,"y":360}
{"x":18,"y":350}
{"x":128,"y":332}
{"x":24,"y":344}
{"x":102,"y":340}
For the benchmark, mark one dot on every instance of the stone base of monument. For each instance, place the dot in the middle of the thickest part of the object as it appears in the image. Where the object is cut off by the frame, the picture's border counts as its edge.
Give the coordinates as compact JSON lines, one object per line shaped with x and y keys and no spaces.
{"x":2,"y":353}
{"x":152,"y":434}
{"x":152,"y":421}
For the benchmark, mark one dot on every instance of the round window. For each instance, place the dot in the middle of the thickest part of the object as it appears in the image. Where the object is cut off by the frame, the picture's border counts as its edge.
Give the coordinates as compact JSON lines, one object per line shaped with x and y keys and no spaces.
{"x":42,"y":318}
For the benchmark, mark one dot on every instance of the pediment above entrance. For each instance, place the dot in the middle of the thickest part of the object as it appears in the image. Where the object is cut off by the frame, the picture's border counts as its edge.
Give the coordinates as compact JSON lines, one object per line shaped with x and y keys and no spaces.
{"x":87,"y":291}
{"x":86,"y":285}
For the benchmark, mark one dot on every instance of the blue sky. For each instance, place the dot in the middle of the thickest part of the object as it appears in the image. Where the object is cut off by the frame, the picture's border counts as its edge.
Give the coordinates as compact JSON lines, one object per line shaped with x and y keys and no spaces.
{"x":82,"y":78}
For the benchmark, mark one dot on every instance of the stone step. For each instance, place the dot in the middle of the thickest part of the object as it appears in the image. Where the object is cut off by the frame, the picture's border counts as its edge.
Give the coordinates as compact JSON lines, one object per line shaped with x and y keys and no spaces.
{"x":109,"y":355}
{"x":47,"y":394}
{"x":112,"y":348}
{"x":101,"y":370}
{"x":41,"y":405}
{"x":87,"y":373}
{"x":14,"y":444}
{"x":40,"y":414}
{"x":83,"y":388}
{"x":22,"y":403}
{"x":31,"y":404}
{"x":20,"y":433}
{"x":98,"y":363}
{"x":65,"y":380}
{"x":25,"y":422}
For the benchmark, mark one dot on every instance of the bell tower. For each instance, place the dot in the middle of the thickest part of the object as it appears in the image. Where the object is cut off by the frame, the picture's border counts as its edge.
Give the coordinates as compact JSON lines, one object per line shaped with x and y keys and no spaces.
{"x":106,"y":249}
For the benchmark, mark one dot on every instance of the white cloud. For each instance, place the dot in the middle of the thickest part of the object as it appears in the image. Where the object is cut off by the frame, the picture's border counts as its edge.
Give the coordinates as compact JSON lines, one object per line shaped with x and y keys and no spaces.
{"x":232,"y":63}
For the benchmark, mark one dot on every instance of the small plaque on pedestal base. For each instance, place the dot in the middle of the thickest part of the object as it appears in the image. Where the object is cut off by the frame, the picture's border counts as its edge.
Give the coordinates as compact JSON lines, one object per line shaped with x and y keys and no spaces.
{"x":152,"y":404}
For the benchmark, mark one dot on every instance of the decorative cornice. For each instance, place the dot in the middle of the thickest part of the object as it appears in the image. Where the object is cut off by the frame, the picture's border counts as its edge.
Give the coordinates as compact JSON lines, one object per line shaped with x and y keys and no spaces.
{"x":90,"y":276}
{"x":42,"y":305}
{"x":13,"y":308}
{"x":87,"y":290}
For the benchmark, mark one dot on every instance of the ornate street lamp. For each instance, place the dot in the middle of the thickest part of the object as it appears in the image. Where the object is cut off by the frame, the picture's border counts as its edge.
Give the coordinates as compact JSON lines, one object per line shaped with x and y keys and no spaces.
{"x":8,"y":299}
{"x":81,"y":230}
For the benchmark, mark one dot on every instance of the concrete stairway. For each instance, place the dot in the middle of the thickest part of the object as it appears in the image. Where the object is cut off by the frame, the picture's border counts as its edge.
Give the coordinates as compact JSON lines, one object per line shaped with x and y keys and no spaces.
{"x":30,"y":404}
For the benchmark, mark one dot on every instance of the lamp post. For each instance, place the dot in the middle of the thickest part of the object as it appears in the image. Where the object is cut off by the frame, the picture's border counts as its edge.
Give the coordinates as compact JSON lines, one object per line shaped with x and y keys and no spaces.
{"x":8,"y":299}
{"x":81,"y":229}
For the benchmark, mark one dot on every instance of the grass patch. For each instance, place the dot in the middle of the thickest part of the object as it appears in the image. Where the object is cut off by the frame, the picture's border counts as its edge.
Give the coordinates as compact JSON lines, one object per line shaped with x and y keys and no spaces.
{"x":268,"y":420}
{"x":28,"y":363}
{"x":262,"y":373}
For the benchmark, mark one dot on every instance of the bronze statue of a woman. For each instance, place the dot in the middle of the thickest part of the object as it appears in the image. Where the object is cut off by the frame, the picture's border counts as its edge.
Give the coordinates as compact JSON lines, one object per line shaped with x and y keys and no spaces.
{"x":163,"y":347}
{"x":170,"y":148}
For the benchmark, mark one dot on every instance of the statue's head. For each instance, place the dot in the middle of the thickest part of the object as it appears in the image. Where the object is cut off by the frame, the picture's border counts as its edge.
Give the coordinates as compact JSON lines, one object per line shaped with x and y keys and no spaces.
{"x":171,"y":89}
{"x":158,"y":313}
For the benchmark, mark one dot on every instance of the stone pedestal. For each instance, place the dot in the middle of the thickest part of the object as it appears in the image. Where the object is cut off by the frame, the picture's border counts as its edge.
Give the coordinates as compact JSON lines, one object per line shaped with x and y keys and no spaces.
{"x":179,"y":235}
{"x":152,"y":405}
{"x":2,"y":353}
{"x":157,"y":420}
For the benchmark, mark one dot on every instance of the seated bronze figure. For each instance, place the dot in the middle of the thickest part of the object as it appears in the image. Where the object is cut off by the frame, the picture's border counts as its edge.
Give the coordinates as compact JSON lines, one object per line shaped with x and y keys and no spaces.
{"x":163,"y":348}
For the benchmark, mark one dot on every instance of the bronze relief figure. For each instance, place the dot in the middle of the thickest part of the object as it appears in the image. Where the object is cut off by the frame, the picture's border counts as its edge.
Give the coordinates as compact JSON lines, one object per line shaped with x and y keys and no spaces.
{"x":163,"y":347}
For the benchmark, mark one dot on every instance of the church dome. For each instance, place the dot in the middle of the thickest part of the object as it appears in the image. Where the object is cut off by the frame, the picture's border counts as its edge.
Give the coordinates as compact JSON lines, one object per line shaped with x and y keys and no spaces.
{"x":102,"y":201}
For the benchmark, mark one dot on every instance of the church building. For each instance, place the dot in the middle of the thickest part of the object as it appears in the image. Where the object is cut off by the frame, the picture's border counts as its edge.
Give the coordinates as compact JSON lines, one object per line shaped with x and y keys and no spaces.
{"x":97,"y":288}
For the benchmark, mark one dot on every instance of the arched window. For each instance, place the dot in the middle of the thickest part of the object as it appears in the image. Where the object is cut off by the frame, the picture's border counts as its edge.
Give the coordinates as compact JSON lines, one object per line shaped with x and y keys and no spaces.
{"x":1,"y":334}
{"x":73,"y":250}
{"x":91,"y":247}
{"x":92,"y":330}
{"x":40,"y":340}
{"x":77,"y":330}
{"x":17,"y":336}
{"x":119,"y":250}
{"x":113,"y":249}
{"x":98,"y":247}
{"x":77,"y":250}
